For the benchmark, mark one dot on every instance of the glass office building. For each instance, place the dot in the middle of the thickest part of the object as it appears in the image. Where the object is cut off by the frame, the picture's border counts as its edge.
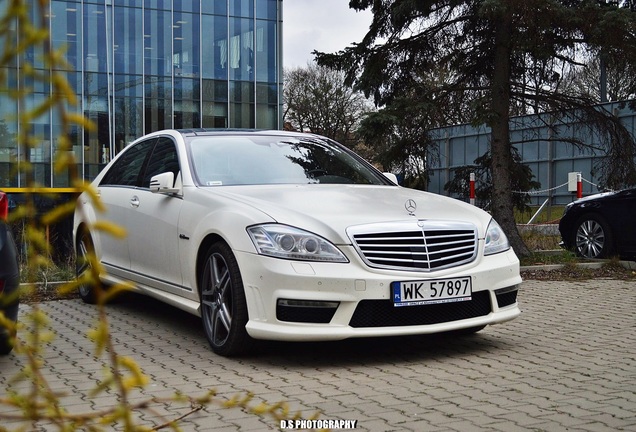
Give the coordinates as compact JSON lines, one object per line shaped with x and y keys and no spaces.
{"x":139,"y":66}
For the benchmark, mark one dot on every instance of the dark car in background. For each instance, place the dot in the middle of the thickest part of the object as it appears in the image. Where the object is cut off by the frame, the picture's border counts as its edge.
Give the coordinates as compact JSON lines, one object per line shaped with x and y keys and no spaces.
{"x":601,"y":225}
{"x":9,"y":277}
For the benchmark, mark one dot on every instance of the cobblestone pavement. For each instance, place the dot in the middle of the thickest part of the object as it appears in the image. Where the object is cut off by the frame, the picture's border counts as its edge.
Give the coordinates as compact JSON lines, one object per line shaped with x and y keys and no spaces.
{"x":567,"y":363}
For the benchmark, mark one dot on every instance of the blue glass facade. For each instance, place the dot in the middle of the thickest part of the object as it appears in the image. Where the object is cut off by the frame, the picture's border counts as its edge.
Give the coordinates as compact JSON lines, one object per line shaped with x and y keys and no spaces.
{"x":139,"y":66}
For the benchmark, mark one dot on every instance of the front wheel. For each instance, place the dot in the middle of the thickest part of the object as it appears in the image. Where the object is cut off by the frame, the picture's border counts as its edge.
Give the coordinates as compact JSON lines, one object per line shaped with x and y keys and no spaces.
{"x":593,"y":238}
{"x":223,"y":305}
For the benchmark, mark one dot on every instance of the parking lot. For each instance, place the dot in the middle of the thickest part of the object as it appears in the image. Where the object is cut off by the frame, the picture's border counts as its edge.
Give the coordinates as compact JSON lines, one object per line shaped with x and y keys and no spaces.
{"x":568,"y":363}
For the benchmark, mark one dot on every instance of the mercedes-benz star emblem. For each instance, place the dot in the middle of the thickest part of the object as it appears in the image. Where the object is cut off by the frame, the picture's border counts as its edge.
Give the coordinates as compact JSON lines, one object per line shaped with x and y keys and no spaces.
{"x":410,"y":206}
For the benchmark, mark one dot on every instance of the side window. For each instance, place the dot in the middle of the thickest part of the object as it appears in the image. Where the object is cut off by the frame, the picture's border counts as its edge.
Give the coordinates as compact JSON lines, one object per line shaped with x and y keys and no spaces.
{"x":163,"y":159}
{"x":127,"y":169}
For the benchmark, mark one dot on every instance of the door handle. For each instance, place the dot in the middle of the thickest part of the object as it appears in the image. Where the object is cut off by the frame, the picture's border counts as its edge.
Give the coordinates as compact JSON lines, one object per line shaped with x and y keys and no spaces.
{"x":134,"y":201}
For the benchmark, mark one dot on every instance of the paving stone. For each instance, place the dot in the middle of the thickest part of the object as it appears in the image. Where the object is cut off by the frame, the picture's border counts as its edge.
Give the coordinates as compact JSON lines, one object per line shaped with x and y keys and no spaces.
{"x":566,"y":364}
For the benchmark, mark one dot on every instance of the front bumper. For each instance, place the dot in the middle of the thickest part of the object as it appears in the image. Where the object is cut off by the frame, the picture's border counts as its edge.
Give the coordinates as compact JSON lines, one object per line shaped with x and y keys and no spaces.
{"x":359,"y":298}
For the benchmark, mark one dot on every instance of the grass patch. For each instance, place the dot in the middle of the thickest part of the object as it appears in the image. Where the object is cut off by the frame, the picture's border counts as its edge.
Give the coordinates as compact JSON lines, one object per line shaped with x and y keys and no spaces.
{"x":54,"y":272}
{"x":545,"y":250}
{"x":550,"y":258}
{"x":540,"y":242}
{"x":548,"y":215}
{"x":45,"y":281}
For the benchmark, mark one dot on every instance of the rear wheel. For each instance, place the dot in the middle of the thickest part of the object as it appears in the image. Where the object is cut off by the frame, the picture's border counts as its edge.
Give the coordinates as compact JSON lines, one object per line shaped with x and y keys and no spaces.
{"x":7,"y":340}
{"x":593,"y":238}
{"x":85,"y":250}
{"x":223,"y":305}
{"x":8,"y":335}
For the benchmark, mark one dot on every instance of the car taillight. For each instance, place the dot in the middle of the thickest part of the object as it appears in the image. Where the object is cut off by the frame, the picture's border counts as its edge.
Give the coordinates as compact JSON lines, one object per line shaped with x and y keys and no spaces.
{"x":4,"y":206}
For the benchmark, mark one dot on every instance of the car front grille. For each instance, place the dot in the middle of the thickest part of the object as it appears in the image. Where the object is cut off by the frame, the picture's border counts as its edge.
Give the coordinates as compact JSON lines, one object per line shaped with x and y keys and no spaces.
{"x":382,"y":313}
{"x":417,"y":246}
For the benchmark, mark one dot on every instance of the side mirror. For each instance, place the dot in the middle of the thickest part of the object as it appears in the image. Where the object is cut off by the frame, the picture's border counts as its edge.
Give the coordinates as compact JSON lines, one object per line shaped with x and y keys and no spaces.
{"x":391,"y":177}
{"x":163,"y":183}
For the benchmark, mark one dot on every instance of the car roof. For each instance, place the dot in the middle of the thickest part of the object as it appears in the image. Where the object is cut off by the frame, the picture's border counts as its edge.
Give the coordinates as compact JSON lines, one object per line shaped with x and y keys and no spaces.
{"x":212,"y":132}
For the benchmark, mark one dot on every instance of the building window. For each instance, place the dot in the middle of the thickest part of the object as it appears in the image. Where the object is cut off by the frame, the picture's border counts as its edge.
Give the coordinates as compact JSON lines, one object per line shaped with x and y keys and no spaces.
{"x":141,"y":66}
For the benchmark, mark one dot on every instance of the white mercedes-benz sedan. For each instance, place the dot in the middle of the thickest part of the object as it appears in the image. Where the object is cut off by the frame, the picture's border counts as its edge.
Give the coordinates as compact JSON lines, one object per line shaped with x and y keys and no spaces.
{"x":288,"y":236}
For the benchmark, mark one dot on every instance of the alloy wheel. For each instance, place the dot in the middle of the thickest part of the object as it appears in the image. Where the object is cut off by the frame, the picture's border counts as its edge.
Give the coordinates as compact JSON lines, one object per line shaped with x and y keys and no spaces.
{"x":216,"y":298}
{"x":590,"y":239}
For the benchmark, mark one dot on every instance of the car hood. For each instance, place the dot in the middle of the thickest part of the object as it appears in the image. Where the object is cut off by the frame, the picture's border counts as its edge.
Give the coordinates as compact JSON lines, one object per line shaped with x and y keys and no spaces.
{"x":328,"y":210}
{"x":595,"y":197}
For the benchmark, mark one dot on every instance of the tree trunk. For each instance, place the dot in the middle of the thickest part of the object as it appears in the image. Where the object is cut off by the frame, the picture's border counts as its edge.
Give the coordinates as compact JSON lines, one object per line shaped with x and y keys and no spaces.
{"x":502,"y":206}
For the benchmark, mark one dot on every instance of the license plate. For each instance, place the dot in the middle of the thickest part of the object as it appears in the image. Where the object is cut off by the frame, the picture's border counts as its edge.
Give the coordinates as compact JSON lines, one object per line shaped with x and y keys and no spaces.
{"x":423,"y":292}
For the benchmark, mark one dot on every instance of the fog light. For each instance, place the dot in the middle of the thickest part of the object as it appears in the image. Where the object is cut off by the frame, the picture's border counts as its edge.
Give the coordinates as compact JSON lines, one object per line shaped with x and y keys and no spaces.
{"x":308,"y":303}
{"x":306,"y":311}
{"x":507,"y":289}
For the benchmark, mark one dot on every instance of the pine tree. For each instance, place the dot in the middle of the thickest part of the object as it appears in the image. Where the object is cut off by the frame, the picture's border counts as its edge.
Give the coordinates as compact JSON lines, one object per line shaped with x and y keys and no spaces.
{"x":494,"y":50}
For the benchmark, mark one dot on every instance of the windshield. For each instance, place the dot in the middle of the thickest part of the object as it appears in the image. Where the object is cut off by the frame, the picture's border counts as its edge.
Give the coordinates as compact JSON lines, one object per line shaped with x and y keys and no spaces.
{"x":258,"y":159}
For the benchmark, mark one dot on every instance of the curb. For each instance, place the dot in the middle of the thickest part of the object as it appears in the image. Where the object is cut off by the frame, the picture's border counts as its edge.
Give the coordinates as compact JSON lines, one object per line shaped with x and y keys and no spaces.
{"x":629,"y":265}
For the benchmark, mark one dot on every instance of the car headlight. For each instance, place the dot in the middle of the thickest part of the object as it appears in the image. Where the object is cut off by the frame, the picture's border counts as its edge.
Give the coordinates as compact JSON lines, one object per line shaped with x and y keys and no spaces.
{"x":496,"y":240}
{"x":282,"y":241}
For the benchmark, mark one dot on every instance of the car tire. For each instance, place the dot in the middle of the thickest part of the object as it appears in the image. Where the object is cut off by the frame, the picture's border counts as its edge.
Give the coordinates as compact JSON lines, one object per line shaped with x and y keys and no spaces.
{"x":85,"y":248}
{"x":6,"y":343}
{"x":223,"y":305}
{"x":592,"y":237}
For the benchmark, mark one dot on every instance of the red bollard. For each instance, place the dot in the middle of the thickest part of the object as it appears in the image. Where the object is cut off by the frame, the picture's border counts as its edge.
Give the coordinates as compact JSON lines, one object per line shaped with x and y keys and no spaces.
{"x":472,"y":188}
{"x":579,"y":186}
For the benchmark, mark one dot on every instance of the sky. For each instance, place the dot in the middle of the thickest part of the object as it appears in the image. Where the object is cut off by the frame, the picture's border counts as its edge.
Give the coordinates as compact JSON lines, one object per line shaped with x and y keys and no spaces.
{"x":323,"y":25}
